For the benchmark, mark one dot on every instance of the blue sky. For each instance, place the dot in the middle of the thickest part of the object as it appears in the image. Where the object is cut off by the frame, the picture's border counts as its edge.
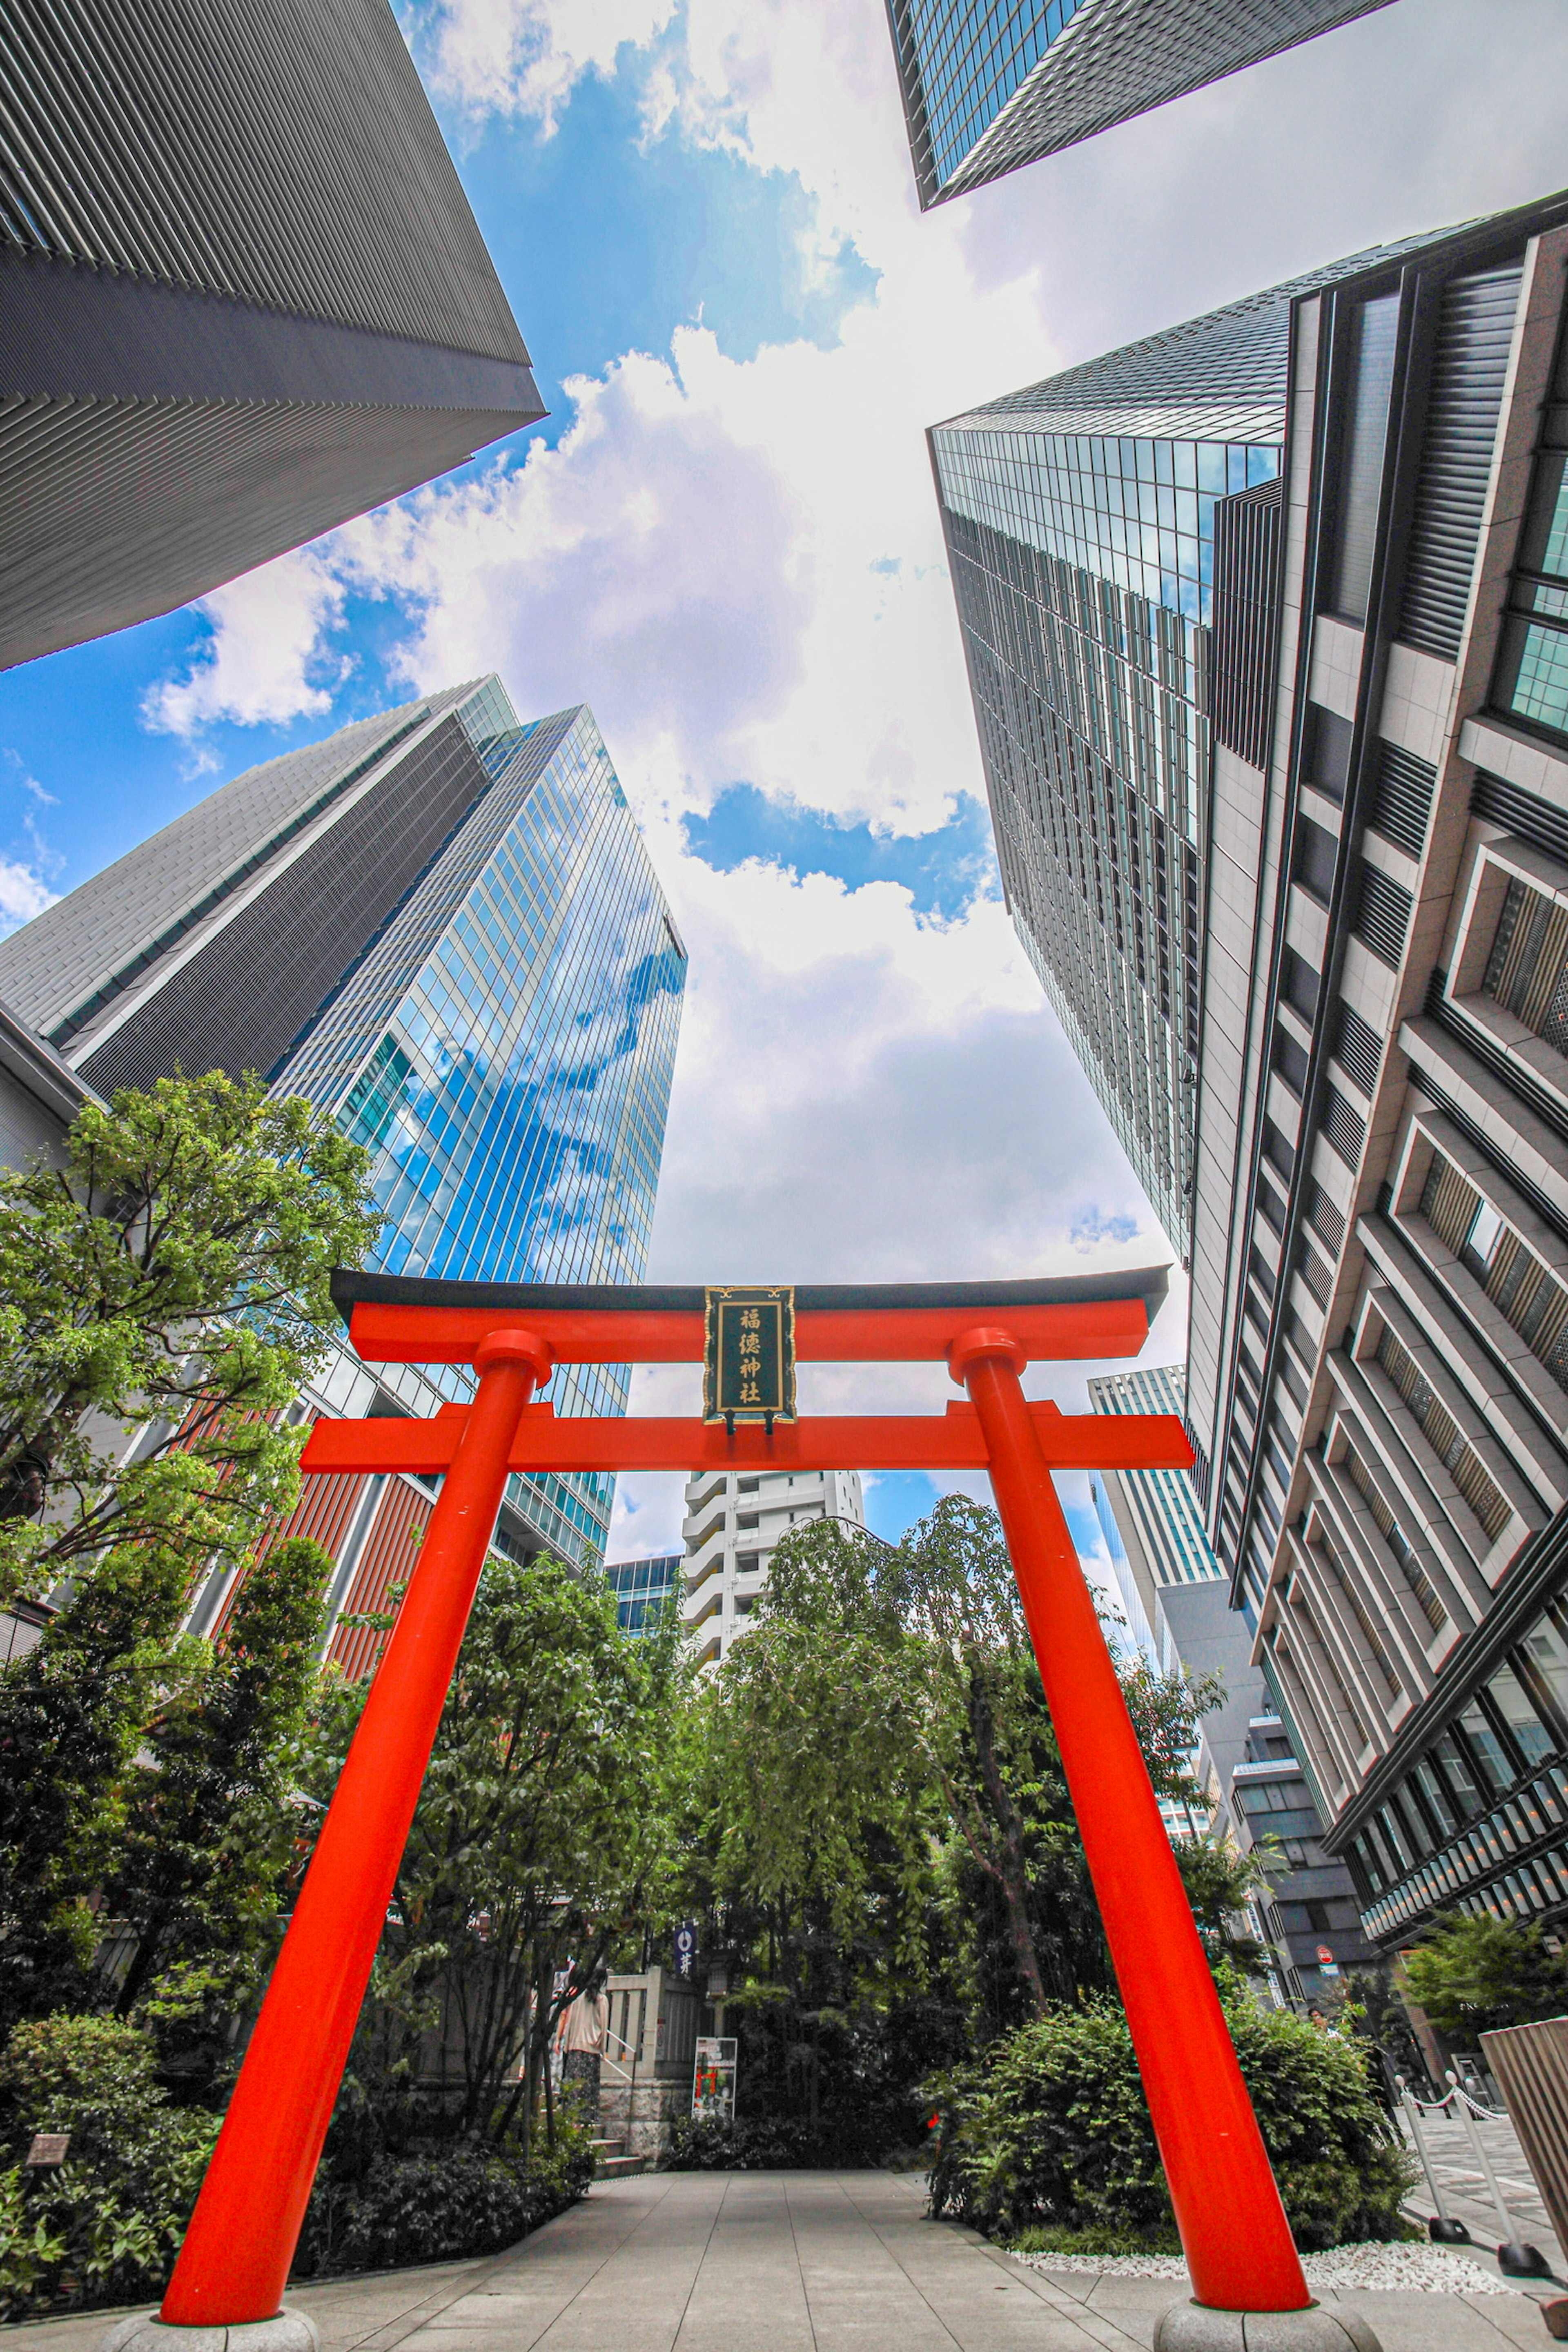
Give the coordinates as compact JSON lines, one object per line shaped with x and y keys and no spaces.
{"x":723,"y":538}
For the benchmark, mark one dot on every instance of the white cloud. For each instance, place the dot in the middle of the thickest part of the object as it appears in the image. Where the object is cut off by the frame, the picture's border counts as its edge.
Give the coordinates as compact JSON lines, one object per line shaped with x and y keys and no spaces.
{"x":259,"y":668}
{"x":22,"y":894}
{"x":863,"y":1095}
{"x":526,"y":57}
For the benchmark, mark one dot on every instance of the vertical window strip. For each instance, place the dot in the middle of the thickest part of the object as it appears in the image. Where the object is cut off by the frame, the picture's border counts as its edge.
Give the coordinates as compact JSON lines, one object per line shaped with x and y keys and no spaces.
{"x":1394,"y":1535}
{"x":1527,"y":972}
{"x":1371,"y":1632}
{"x":1527,"y":1292}
{"x":1448,"y":1442}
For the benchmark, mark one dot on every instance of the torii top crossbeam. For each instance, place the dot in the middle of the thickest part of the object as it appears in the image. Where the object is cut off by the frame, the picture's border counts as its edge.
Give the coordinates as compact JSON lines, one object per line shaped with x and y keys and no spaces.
{"x":393,"y":1319}
{"x":242,"y":2235}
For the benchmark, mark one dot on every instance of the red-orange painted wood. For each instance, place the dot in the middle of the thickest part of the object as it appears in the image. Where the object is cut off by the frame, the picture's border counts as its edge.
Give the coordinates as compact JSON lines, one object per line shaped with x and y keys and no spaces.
{"x":1235,"y":2235}
{"x":243,"y":2232}
{"x":875,"y":1335}
{"x":1089,"y":1441}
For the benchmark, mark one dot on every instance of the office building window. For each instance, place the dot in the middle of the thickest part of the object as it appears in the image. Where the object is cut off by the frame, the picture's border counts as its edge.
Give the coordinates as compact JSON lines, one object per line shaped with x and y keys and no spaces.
{"x":1449,"y":1443}
{"x":1373,"y":335}
{"x":1533,"y":668}
{"x":1527,"y":972}
{"x":1534,"y":1301}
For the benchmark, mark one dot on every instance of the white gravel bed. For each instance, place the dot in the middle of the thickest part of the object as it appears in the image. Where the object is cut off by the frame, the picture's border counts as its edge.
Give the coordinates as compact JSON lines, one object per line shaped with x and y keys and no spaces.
{"x":1424,"y":2270}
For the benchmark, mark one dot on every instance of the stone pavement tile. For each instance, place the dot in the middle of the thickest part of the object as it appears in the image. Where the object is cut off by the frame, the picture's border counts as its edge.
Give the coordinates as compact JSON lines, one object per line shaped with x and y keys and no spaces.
{"x":1446,"y":2323}
{"x":749,"y":2296}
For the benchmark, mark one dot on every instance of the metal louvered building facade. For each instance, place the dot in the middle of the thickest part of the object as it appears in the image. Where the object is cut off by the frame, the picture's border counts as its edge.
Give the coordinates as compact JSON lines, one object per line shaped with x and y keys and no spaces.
{"x":242,"y":297}
{"x":1378,"y":1353}
{"x":987,"y":88}
{"x":442,"y":928}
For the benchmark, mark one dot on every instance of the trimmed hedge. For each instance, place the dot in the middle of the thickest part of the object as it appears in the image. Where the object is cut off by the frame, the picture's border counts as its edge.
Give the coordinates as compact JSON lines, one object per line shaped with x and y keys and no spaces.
{"x":436,"y":2207}
{"x":105,"y":2227}
{"x":1051,"y":2130}
{"x":778,"y":2144}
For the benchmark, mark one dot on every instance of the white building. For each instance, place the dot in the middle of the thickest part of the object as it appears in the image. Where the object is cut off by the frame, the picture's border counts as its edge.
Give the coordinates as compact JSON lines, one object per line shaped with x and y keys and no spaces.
{"x":733,"y":1519}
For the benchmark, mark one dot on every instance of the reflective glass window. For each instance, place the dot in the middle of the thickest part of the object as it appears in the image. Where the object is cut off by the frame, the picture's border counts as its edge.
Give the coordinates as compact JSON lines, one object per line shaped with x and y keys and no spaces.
{"x":1519,"y":1713}
{"x":1439,"y":1805}
{"x":1458,"y":1776}
{"x":1495,"y":1766}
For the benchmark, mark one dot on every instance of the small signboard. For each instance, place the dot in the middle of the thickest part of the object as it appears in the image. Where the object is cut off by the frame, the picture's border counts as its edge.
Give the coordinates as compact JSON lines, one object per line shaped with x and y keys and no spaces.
{"x":714,"y":2079}
{"x":1326,"y":1963}
{"x":48,"y":2148}
{"x":685,"y":1952}
{"x":749,"y":1365}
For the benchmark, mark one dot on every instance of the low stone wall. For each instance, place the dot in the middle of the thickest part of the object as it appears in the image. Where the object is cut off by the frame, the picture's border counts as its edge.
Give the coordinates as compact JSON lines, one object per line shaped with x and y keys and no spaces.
{"x":640,"y":2113}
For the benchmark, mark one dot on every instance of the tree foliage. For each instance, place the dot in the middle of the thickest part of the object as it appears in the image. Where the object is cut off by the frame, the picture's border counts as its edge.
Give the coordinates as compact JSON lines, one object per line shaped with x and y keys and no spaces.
{"x":880,"y":1831}
{"x":209,"y":1823}
{"x":540,"y":1839}
{"x":1475,"y":1973}
{"x":163,"y":1299}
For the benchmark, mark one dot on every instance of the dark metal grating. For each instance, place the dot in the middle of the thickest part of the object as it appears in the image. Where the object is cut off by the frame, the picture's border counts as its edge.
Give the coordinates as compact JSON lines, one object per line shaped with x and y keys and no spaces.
{"x":1359,"y":1048}
{"x":1535,"y":820}
{"x":1246,"y":574}
{"x":1469,"y":372}
{"x":1383,"y":909}
{"x":1317,"y":1277}
{"x":1345,"y":1127}
{"x":242,"y":999}
{"x":1325,"y":1219}
{"x":1402,"y":807}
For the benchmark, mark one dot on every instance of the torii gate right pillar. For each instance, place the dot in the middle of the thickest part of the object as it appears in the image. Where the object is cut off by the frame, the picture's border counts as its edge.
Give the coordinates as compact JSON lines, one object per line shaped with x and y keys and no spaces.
{"x":1240,"y":2251}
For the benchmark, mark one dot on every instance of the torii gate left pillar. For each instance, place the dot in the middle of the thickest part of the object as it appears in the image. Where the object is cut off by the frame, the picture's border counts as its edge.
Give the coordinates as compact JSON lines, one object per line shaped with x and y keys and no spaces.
{"x":234,"y":2261}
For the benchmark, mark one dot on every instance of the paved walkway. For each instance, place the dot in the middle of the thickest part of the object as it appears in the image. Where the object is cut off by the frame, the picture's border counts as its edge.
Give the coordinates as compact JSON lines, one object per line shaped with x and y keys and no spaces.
{"x":1451,"y":2154}
{"x":782,"y":2261}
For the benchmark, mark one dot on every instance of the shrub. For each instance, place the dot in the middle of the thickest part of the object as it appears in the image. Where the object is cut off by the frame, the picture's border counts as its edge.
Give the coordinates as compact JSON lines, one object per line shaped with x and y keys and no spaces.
{"x":440,"y":2206}
{"x":779,"y":2143}
{"x":105,"y":2226}
{"x":1051,"y":2130}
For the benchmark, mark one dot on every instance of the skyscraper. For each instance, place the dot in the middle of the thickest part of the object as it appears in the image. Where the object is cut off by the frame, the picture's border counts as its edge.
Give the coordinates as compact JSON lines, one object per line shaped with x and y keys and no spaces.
{"x":442,"y":927}
{"x":986,"y":89}
{"x":242,"y":297}
{"x":1080,"y":518}
{"x":1377,"y":1382}
{"x":1378,"y":1218}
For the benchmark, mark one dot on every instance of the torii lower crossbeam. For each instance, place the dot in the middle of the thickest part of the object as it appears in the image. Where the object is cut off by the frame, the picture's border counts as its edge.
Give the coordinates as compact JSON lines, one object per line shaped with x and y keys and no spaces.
{"x":236,"y":2257}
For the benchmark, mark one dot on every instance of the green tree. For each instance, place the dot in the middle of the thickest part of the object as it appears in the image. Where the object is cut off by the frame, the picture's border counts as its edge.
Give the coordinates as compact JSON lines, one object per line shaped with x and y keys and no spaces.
{"x":1475,"y":1973}
{"x":992,"y":1746}
{"x":881,"y":1836}
{"x":163,"y":1297}
{"x":72,"y":1713}
{"x":541,"y":1840}
{"x":207,"y":1826}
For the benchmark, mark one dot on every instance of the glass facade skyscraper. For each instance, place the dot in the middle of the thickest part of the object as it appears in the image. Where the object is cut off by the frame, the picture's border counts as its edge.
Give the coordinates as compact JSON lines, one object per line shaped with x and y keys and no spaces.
{"x":991,"y":84}
{"x":442,"y":927}
{"x":1080,"y":517}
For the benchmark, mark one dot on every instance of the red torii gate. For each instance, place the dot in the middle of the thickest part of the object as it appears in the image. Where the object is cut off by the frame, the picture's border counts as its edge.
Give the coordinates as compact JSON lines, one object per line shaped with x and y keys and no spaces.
{"x":238,"y":2250}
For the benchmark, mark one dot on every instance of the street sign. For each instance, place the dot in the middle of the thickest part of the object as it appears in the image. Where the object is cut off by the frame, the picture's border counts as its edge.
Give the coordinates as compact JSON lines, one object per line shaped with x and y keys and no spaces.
{"x":749,"y":1357}
{"x":1326,"y":1961}
{"x":685,"y":1951}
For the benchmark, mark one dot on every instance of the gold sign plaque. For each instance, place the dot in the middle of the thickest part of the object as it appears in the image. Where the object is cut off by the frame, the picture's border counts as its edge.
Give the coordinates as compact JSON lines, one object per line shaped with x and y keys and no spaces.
{"x":749,"y":1363}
